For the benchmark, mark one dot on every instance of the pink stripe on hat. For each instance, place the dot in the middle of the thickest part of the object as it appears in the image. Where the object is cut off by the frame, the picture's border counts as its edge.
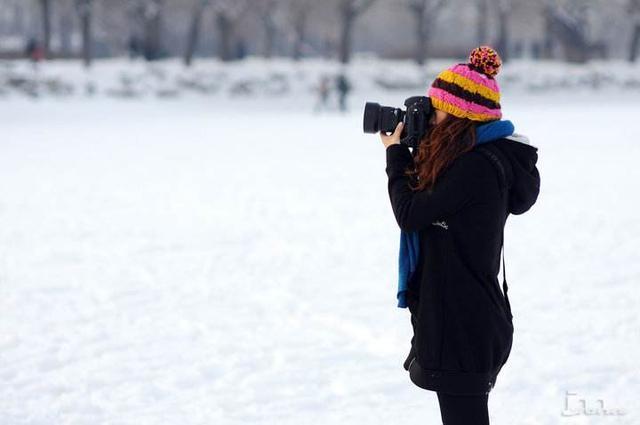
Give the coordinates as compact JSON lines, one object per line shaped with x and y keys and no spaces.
{"x":476,"y":77}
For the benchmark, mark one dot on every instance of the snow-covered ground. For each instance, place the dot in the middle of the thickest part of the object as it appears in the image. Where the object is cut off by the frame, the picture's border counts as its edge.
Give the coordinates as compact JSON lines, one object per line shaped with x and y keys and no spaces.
{"x":215,"y":261}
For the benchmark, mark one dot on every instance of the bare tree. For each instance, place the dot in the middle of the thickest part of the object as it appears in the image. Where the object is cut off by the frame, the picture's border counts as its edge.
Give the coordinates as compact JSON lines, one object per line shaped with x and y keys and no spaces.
{"x":16,"y":23}
{"x":424,"y":12}
{"x":299,"y":14}
{"x":152,"y":13}
{"x":194,"y":30}
{"x":268,"y":11}
{"x":227,"y":15}
{"x":65,"y":23}
{"x":85,"y":12}
{"x":45,"y":8}
{"x":634,"y":12}
{"x":569,"y":31}
{"x":135,"y":26}
{"x":504,"y":9}
{"x":292,"y":21}
{"x":349,"y":11}
{"x":482,"y":21}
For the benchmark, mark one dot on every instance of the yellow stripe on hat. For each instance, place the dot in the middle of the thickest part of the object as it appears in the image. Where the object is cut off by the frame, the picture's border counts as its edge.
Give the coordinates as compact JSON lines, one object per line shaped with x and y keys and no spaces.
{"x":460,"y":113}
{"x":469,"y":85}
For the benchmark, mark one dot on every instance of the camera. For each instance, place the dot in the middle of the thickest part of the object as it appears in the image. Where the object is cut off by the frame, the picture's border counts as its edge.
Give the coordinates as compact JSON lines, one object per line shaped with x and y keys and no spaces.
{"x":385,"y":118}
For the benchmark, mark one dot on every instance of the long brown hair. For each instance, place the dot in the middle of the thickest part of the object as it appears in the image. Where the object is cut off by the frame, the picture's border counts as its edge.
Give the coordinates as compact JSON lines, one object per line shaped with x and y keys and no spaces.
{"x":439,"y":148}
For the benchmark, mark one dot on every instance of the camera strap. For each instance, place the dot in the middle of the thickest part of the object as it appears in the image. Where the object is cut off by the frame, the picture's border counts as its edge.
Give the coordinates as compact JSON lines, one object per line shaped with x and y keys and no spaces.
{"x":504,"y":189}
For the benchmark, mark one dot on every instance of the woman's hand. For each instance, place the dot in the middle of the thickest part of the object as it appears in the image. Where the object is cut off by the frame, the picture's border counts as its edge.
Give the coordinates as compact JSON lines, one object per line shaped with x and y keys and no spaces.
{"x":394,"y":138}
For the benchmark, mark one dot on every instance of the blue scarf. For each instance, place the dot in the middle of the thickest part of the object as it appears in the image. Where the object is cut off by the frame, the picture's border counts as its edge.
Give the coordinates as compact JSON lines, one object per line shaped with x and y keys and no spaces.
{"x":410,"y":241}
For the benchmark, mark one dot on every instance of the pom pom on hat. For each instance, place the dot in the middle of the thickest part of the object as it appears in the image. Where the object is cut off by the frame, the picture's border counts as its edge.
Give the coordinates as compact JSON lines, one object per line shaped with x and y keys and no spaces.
{"x":486,"y":60}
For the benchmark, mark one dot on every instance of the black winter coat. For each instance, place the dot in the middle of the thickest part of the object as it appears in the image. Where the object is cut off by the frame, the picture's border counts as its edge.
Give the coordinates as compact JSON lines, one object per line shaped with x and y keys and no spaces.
{"x":463,"y":329}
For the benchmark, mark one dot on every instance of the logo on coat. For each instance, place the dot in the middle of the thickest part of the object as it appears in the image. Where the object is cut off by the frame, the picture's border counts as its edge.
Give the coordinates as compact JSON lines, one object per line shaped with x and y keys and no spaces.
{"x":442,"y":224}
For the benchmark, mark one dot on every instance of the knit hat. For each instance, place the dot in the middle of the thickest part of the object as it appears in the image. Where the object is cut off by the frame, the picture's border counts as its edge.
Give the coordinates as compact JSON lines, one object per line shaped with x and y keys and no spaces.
{"x":469,"y":90}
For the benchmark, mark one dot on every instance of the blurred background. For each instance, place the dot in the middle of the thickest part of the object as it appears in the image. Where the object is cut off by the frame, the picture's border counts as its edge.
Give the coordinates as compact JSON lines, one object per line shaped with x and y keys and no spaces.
{"x":567,"y":30}
{"x":194,"y":229}
{"x":53,"y":33}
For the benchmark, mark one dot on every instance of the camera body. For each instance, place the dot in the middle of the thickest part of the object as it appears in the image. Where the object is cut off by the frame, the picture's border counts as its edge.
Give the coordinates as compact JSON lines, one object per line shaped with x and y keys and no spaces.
{"x":416,"y":119}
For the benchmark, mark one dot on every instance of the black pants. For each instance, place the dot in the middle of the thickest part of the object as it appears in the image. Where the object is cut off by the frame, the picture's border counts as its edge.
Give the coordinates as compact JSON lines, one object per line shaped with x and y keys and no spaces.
{"x":464,"y":409}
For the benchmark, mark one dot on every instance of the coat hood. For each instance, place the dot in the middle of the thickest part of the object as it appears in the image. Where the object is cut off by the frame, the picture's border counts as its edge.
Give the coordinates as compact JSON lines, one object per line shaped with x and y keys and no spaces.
{"x":523,"y":178}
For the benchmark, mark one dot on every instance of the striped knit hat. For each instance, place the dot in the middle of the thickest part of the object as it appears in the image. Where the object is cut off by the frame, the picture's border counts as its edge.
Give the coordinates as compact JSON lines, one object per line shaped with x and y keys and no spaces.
{"x":469,"y":90}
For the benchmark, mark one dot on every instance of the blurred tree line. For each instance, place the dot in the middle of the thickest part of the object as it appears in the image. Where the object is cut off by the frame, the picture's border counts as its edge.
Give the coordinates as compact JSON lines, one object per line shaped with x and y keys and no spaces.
{"x":571,"y":30}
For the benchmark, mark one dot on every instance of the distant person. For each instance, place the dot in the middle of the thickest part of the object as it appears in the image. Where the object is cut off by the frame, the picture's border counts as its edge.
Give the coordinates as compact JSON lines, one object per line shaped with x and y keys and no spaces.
{"x":451,"y":198}
{"x":322,"y":91}
{"x":34,"y":50}
{"x":344,"y":87}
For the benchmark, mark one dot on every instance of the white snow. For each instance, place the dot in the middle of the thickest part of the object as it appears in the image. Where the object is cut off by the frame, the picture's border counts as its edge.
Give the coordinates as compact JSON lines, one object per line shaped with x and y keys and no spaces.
{"x":218,"y":261}
{"x":257,"y":78}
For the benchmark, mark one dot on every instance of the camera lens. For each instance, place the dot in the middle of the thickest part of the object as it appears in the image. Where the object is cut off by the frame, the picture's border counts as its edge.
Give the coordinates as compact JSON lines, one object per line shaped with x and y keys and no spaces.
{"x":371,"y":121}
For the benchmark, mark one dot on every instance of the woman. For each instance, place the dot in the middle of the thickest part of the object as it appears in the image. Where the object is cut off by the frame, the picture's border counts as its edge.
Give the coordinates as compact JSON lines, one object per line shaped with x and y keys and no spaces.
{"x":451,"y":200}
